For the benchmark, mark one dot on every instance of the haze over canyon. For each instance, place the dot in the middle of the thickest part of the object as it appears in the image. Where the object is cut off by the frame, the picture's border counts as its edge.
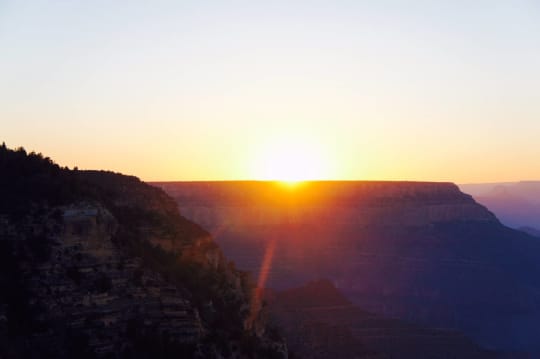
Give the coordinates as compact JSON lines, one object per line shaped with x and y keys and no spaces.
{"x":422,"y":252}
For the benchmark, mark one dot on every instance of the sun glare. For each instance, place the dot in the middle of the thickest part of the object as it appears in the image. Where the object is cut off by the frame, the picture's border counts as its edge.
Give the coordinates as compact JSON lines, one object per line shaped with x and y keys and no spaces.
{"x":291,"y":162}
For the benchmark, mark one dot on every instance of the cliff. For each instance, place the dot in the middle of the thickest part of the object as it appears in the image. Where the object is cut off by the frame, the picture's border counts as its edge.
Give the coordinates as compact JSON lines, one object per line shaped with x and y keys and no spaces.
{"x":390,"y":204}
{"x":97,"y":264}
{"x":422,"y":252}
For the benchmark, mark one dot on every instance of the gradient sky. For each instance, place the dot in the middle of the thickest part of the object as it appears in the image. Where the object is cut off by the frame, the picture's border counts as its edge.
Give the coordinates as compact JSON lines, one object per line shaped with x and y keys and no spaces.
{"x":187,"y":90}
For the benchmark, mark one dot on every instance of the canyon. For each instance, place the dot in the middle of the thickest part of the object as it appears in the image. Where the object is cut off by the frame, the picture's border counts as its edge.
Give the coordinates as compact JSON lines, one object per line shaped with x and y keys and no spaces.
{"x":99,"y":264}
{"x":422,"y":252}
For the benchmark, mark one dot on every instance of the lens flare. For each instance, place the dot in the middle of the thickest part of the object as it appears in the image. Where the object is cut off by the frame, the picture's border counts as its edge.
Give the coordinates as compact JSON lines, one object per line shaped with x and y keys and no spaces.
{"x":256,"y":300}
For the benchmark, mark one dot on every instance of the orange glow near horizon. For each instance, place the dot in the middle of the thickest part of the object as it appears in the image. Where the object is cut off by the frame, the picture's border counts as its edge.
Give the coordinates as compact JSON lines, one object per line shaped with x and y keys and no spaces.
{"x":291,"y":161}
{"x":224,"y":91}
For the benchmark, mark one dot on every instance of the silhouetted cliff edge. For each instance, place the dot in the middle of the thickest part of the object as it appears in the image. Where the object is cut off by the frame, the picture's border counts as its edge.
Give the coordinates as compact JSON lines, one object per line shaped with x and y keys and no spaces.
{"x":96,"y":264}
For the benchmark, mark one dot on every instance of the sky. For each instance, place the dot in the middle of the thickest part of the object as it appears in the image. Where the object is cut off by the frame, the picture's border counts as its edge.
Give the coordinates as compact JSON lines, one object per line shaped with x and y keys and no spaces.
{"x":220,"y":90}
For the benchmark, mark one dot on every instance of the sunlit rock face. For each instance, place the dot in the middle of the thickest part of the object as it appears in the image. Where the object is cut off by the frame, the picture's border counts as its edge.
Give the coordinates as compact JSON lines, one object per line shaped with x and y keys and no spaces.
{"x":424,"y":252}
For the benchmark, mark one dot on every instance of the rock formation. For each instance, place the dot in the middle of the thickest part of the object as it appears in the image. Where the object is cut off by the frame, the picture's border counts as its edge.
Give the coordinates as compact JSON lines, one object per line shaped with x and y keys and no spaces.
{"x":97,"y":264}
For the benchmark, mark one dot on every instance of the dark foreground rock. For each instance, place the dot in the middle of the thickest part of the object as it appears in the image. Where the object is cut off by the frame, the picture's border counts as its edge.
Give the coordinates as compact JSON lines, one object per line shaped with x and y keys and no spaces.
{"x":97,"y":264}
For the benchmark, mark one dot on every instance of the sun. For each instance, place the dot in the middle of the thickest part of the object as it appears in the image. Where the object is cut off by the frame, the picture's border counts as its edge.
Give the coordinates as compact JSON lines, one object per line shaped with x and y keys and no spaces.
{"x":290,"y":161}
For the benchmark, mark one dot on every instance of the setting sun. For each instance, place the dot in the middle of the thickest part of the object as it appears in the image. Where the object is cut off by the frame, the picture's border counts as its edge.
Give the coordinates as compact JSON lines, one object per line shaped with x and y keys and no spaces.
{"x":291,"y":161}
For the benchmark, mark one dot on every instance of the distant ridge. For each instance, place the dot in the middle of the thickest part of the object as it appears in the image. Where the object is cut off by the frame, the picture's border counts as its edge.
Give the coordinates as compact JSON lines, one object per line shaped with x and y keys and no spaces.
{"x":516,"y":204}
